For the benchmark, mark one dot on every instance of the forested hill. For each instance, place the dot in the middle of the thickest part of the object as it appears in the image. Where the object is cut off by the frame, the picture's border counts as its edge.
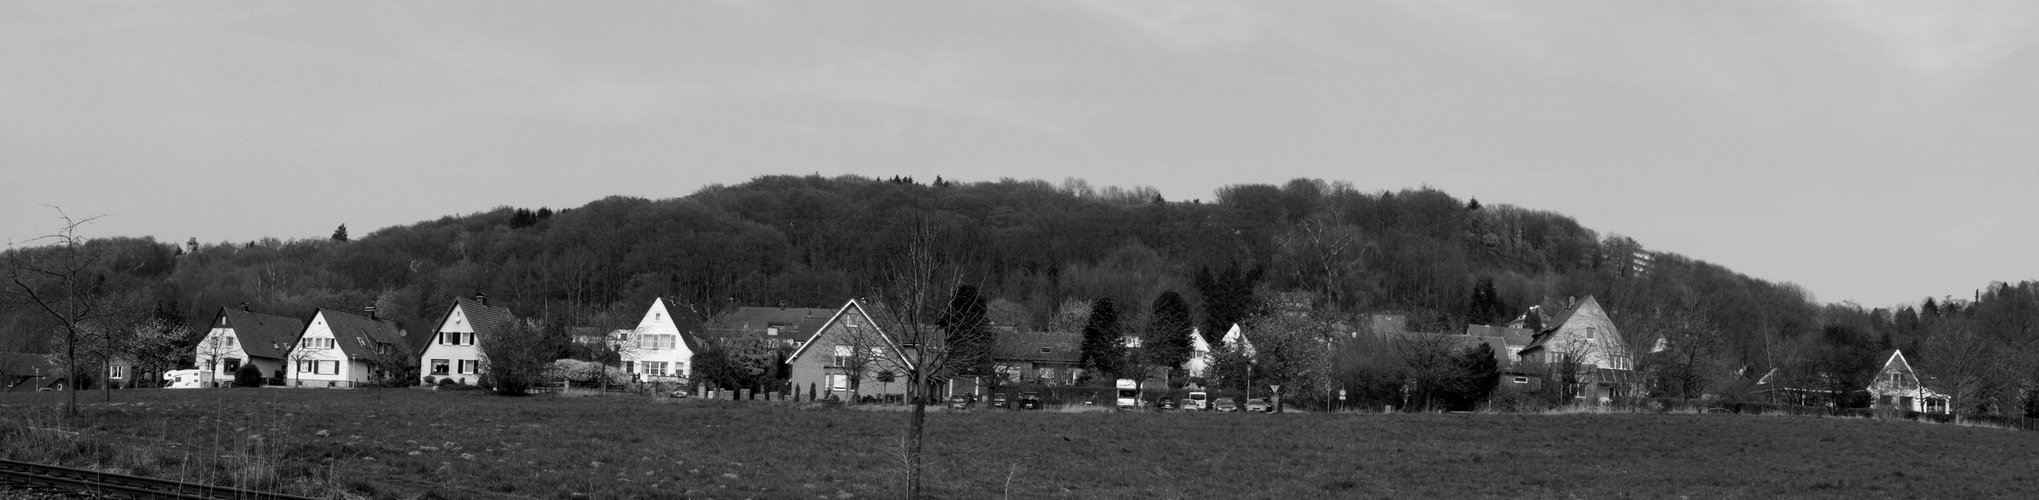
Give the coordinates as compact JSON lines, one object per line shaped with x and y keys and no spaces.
{"x":815,"y":241}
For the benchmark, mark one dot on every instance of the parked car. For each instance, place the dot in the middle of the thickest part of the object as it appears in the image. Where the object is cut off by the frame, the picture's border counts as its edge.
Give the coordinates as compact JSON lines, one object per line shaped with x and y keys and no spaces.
{"x":1029,"y":401}
{"x":1198,"y":401}
{"x":1165,"y":404}
{"x":998,"y":400}
{"x":1227,"y":405}
{"x":961,"y":402}
{"x":1259,"y":405}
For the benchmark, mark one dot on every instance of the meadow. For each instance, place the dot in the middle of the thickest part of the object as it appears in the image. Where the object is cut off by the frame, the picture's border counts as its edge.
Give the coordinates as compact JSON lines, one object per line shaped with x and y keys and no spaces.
{"x":410,"y":443}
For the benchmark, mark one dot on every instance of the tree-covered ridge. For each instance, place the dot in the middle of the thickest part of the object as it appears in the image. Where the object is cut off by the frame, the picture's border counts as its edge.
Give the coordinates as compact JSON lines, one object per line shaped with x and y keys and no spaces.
{"x":1031,"y":245}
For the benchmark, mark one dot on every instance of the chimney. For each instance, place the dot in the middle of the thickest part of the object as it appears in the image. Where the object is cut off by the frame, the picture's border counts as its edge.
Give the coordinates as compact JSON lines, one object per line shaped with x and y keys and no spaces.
{"x":481,"y":298}
{"x":244,"y":306}
{"x":370,"y":310}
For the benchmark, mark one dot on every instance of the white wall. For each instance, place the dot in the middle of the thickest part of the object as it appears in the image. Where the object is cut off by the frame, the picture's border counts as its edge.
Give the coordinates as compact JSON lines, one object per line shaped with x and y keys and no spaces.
{"x":347,"y":368}
{"x":659,"y":321}
{"x":441,"y":348}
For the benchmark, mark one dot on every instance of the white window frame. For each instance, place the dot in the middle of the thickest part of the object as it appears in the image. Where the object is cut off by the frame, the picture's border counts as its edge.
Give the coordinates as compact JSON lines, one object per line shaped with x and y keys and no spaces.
{"x":441,"y":367}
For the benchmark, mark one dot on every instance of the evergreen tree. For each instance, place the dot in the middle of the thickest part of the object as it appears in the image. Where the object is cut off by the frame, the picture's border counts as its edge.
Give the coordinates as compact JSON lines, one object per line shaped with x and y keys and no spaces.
{"x":1167,"y":340}
{"x":1486,"y":303}
{"x":1101,"y":338}
{"x":340,"y":234}
{"x":967,"y":331}
{"x":1482,"y":375}
{"x":522,"y":218}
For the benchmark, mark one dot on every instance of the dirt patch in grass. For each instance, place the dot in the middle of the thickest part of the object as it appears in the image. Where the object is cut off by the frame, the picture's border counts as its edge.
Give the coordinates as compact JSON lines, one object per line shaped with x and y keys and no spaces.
{"x":410,"y":443}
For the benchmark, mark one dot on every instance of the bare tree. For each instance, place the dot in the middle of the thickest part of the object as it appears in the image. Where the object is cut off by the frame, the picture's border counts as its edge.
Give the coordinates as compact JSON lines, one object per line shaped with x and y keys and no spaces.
{"x":1427,"y":365}
{"x":1964,"y":360}
{"x":1290,"y":353}
{"x":60,"y":278}
{"x":910,"y":308}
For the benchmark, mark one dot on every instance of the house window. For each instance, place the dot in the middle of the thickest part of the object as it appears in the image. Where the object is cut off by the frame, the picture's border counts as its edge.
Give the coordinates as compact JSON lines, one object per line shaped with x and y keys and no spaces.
{"x":1590,"y":331}
{"x":439,"y":366}
{"x":232,"y":364}
{"x":842,"y":355}
{"x":328,"y":367}
{"x":1521,"y":380}
{"x":629,"y":367}
{"x":838,"y":382}
{"x":116,"y":371}
{"x":772,"y":331}
{"x":467,"y":338}
{"x":680,"y":368}
{"x":230,"y":341}
{"x":318,"y":343}
{"x":655,"y":368}
{"x":468,"y":366}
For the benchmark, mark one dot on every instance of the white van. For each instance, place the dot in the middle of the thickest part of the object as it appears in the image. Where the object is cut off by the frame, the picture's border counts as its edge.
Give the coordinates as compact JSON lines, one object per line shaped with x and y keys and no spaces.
{"x":187,"y":379}
{"x":1198,"y":401}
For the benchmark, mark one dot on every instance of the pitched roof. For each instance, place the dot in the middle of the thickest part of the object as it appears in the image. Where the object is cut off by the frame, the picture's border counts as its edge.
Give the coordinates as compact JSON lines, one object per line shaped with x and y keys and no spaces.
{"x":1063,"y":347}
{"x":1513,"y":336}
{"x":1557,"y":322}
{"x":483,"y":318}
{"x":874,"y":324}
{"x":688,"y":321}
{"x":746,"y":320}
{"x":262,"y":335}
{"x":357,"y":335}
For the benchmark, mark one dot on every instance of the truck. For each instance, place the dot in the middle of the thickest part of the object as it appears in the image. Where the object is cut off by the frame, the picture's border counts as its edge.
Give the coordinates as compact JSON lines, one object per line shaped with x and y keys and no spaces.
{"x":1129,"y":393}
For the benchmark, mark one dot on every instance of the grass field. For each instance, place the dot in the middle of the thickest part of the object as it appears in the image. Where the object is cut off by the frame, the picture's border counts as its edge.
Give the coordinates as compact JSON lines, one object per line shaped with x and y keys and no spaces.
{"x":402,"y":443}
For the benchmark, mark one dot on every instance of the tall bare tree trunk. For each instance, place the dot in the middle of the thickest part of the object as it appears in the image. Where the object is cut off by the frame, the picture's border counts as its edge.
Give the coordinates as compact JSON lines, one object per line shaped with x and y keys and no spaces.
{"x":916,"y":428}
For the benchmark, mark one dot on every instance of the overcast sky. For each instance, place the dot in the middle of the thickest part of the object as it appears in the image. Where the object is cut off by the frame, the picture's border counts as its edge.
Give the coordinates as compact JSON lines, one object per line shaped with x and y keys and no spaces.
{"x":1878,"y":152}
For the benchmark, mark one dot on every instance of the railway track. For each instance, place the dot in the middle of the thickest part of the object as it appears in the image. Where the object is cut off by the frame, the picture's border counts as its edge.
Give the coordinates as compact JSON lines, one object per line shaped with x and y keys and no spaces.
{"x":121,"y":485}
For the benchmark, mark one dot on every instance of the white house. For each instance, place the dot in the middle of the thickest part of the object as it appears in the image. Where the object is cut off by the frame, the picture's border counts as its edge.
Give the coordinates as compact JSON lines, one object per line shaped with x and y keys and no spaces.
{"x":1583,"y":339}
{"x":242,"y":336}
{"x":1199,"y":354}
{"x":1235,"y":338}
{"x":1897,"y":386}
{"x":661,"y":348}
{"x":452,"y":352}
{"x":340,"y":349}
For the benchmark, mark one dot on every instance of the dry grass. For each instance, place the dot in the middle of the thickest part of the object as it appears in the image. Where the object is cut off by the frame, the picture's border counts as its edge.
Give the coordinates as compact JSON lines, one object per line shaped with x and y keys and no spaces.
{"x":411,"y":444}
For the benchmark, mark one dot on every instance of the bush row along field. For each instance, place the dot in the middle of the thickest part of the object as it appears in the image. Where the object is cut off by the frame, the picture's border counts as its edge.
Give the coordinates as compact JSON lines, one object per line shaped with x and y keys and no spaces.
{"x":407,"y":443}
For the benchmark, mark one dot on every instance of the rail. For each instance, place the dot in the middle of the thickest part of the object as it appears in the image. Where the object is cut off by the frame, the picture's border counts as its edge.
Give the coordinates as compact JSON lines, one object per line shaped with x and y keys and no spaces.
{"x":122,"y":485}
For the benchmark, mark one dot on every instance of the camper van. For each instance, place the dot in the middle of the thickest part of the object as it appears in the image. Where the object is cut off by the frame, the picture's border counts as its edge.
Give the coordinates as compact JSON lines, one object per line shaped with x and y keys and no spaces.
{"x":1129,"y":394}
{"x":187,"y":379}
{"x":1198,"y":401}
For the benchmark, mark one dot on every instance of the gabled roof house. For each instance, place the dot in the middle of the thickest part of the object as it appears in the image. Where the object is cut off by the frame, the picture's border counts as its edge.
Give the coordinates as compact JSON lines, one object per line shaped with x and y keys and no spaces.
{"x":847,"y":355}
{"x":342,"y":349}
{"x":454,"y":351}
{"x":240,"y":335}
{"x":1582,"y":339}
{"x":662,"y":347}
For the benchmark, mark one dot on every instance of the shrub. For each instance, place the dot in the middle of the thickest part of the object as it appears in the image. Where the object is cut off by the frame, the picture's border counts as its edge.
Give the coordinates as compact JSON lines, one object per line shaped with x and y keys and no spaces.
{"x":248,"y":376}
{"x":448,"y":381}
{"x":431,"y":380}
